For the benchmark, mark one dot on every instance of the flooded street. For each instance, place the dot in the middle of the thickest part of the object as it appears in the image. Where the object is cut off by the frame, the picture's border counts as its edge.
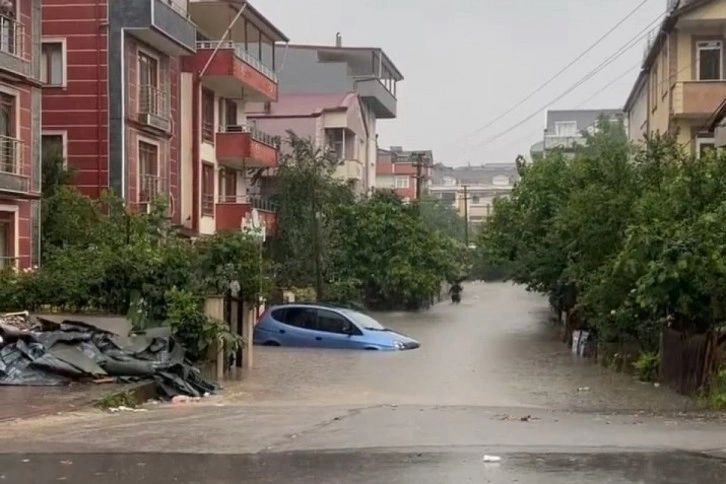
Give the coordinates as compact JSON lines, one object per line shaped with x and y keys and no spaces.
{"x":495,"y":349}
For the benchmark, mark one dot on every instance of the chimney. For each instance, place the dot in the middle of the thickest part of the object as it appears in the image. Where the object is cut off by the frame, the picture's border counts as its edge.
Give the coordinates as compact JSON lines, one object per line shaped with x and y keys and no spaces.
{"x":338,"y":39}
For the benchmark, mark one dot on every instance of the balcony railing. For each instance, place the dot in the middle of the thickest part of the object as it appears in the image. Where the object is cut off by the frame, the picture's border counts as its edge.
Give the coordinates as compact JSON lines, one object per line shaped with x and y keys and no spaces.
{"x":8,"y":262}
{"x":11,"y":36}
{"x":254,"y":133}
{"x":150,"y":187}
{"x":240,"y":52}
{"x":154,"y":101}
{"x":11,"y":155}
{"x":260,"y":203}
{"x":208,"y":204}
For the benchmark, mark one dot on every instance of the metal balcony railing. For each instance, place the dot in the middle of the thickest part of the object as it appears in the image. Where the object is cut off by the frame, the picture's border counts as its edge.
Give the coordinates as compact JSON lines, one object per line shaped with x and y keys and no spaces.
{"x":11,"y":155}
{"x":208,"y":204}
{"x":255,"y":201}
{"x":241,"y":53}
{"x":150,"y":187}
{"x":11,"y":36}
{"x":154,"y":100}
{"x":254,"y":133}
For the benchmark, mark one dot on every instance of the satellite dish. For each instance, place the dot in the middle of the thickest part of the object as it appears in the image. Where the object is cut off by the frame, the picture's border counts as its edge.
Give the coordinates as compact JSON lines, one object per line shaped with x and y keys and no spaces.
{"x":255,"y":219}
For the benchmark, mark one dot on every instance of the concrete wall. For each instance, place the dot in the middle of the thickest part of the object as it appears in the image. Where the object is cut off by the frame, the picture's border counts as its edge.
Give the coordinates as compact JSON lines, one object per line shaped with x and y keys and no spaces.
{"x":301,"y":73}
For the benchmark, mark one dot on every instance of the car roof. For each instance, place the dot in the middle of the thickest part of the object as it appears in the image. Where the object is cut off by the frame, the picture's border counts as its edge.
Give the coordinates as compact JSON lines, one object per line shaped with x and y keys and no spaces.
{"x":322,"y":305}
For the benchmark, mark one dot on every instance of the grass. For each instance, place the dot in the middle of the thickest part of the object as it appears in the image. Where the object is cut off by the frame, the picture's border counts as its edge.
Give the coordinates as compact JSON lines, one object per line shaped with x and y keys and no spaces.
{"x":125,"y":398}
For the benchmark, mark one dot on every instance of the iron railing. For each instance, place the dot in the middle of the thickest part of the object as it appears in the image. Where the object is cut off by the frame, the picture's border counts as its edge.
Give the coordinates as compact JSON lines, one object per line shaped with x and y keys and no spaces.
{"x":254,"y":133}
{"x":154,"y":101}
{"x":241,"y":53}
{"x":208,"y":204}
{"x":11,"y":155}
{"x":150,"y":187}
{"x":255,"y":201}
{"x":11,"y":36}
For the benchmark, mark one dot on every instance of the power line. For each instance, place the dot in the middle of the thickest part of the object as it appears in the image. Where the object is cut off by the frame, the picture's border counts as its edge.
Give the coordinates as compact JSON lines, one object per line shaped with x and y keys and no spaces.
{"x":627,"y":46}
{"x":558,"y":74}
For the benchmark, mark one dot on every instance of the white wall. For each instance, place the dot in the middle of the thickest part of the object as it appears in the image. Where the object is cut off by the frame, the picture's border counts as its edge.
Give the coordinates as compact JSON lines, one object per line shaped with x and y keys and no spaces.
{"x":185,"y":157}
{"x":638,"y":117}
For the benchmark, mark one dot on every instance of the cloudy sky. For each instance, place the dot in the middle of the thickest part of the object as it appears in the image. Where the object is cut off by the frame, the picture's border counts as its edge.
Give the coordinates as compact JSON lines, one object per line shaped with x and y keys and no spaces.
{"x":466,"y":62}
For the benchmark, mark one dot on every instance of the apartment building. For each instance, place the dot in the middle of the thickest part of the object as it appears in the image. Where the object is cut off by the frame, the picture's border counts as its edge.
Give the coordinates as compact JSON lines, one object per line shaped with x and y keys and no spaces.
{"x":471,"y":190}
{"x":402,"y":170}
{"x":682,"y":81}
{"x":110,"y":100}
{"x":147,"y":98}
{"x":565,"y":129}
{"x":333,"y":120}
{"x":367,"y":71}
{"x":21,"y":77}
{"x":224,"y":156}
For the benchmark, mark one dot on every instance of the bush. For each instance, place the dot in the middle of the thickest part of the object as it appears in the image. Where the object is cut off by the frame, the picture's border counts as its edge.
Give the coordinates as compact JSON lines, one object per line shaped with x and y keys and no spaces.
{"x":646,"y":366}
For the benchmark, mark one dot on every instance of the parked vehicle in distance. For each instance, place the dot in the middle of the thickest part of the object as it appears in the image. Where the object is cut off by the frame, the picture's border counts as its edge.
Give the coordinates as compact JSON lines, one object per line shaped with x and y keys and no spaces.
{"x":325,"y":326}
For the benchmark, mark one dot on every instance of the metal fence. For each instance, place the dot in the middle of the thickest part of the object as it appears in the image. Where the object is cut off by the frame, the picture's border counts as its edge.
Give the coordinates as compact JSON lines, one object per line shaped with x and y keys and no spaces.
{"x":11,"y":151}
{"x":154,"y":101}
{"x":11,"y":36}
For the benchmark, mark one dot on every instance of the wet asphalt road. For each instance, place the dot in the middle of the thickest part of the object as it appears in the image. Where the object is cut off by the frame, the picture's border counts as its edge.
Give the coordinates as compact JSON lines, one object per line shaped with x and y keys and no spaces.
{"x":491,"y":377}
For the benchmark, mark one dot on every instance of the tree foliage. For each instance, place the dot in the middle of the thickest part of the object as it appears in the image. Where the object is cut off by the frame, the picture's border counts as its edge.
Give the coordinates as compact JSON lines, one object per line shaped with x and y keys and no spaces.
{"x":634,"y":236}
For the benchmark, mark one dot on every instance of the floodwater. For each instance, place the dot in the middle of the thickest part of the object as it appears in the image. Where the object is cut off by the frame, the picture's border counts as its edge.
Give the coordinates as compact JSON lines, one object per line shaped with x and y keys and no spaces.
{"x":495,"y":349}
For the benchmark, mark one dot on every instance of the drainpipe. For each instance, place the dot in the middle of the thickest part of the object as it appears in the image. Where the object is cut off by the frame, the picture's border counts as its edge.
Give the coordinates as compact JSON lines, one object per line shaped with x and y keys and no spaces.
{"x":99,"y":86}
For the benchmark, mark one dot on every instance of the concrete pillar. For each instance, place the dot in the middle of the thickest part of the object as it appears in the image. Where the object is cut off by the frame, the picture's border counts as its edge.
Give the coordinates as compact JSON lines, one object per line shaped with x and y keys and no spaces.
{"x":214,"y":308}
{"x":248,"y":328}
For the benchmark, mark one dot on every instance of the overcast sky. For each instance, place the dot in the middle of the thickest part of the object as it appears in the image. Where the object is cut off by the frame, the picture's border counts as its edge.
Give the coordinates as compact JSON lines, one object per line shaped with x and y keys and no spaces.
{"x":468,"y":61}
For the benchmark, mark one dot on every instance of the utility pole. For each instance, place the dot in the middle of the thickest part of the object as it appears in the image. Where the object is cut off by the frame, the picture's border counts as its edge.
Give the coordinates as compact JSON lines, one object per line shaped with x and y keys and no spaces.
{"x":419,"y":158}
{"x":466,"y":215}
{"x":316,"y":242}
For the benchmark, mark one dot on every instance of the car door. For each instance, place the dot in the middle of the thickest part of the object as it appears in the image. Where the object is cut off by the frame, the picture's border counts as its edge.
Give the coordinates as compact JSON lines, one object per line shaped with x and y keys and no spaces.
{"x":333,"y":330}
{"x":297,"y":326}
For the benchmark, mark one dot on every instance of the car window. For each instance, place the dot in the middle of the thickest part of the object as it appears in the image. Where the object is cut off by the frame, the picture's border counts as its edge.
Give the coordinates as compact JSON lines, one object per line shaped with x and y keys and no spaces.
{"x":279,"y":314}
{"x":332,"y":322}
{"x":299,"y":317}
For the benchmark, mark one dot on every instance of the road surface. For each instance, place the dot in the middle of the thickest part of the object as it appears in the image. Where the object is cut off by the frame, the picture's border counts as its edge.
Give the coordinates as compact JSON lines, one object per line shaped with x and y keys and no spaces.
{"x":490,"y":378}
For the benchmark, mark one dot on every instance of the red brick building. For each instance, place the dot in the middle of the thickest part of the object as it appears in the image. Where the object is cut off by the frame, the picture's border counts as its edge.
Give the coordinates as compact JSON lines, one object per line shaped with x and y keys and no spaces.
{"x":112,"y":93}
{"x":398,"y":170}
{"x":20,"y":151}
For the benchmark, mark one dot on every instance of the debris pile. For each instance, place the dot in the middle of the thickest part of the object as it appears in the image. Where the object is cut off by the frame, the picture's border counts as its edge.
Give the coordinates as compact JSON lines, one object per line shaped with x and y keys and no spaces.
{"x":39,"y":352}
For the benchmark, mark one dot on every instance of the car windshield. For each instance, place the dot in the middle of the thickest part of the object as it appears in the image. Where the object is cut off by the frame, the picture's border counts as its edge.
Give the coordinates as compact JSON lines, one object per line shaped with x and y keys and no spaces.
{"x":364,"y":320}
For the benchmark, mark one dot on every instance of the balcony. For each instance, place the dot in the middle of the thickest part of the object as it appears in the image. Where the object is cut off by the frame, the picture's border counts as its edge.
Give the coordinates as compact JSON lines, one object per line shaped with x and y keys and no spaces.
{"x":375,"y":93}
{"x":154,"y":108}
{"x":150,"y":188}
{"x":11,"y":162}
{"x":232,"y":69}
{"x":243,"y":147}
{"x":13,"y":55}
{"x":698,"y":99}
{"x":232,"y":213}
{"x":350,"y":170}
{"x":163,"y":24}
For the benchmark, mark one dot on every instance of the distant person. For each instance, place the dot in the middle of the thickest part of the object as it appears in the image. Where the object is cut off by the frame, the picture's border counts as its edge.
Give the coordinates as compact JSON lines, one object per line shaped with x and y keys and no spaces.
{"x":455,"y":292}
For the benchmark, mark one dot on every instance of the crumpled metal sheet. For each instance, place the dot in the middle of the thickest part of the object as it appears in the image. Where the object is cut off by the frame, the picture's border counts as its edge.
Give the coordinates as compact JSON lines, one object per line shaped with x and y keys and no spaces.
{"x":76,"y":351}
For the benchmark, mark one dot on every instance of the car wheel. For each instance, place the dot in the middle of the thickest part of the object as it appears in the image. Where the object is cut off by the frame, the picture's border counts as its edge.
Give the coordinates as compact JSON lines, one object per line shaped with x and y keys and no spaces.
{"x":271,"y":343}
{"x":371,"y":348}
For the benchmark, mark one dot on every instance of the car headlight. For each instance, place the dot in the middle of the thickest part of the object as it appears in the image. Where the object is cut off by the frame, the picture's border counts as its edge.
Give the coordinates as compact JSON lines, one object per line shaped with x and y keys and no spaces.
{"x":398,"y":345}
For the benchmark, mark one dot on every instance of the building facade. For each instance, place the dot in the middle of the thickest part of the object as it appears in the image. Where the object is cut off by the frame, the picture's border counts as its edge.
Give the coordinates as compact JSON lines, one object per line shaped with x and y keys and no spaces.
{"x":111,"y":99}
{"x":367,"y":71}
{"x":471,"y":190}
{"x":21,"y":78}
{"x":682,"y":82}
{"x":147,"y":98}
{"x":335,"y":121}
{"x":398,"y":170}
{"x":564,"y":129}
{"x":225,"y":156}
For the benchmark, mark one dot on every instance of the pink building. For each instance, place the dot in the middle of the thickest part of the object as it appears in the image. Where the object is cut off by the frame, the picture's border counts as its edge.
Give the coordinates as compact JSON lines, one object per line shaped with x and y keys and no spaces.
{"x":398,"y":170}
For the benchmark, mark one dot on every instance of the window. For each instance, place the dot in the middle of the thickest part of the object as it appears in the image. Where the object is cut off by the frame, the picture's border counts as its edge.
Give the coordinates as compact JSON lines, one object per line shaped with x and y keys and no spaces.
{"x":665,"y":75}
{"x":207,"y":115}
{"x":704,"y":146}
{"x":566,"y":128}
{"x":331,"y":322}
{"x":296,"y":316}
{"x":207,"y":190}
{"x":151,"y":98}
{"x":148,"y":172}
{"x":8,"y":143}
{"x":709,"y":60}
{"x":228,"y":183}
{"x":9,"y":29}
{"x":52,"y":68}
{"x":475,"y":200}
{"x":53,"y":145}
{"x":402,"y":182}
{"x":654,"y":88}
{"x":230,"y":108}
{"x":7,"y":239}
{"x":335,"y":139}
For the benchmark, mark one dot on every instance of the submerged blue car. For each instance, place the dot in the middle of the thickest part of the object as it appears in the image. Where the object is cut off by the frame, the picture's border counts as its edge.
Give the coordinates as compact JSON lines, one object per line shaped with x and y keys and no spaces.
{"x":323,"y":326}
